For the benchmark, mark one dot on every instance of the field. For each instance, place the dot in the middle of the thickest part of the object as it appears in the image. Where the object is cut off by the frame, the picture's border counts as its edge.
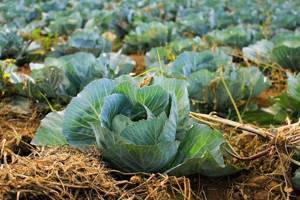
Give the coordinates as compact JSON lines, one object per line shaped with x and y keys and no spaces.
{"x":150,"y":99}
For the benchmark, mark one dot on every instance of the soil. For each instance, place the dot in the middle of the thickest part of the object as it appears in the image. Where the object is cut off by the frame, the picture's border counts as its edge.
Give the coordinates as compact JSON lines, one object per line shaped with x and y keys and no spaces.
{"x":140,"y":63}
{"x":278,"y":80}
{"x":17,"y":130}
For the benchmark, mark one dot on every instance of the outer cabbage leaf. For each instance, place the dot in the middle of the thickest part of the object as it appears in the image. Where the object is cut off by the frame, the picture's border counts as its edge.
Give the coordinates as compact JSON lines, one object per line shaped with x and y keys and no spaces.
{"x":285,"y":105}
{"x":283,"y":50}
{"x":85,"y":109}
{"x":120,"y":20}
{"x":49,"y":82}
{"x":201,"y":152}
{"x":290,"y":99}
{"x":259,"y":52}
{"x":289,"y":102}
{"x":49,"y":132}
{"x":296,"y":179}
{"x":274,"y":114}
{"x":241,"y":85}
{"x":286,"y":52}
{"x":195,"y":20}
{"x":285,"y":16}
{"x":179,"y":88}
{"x":199,"y":83}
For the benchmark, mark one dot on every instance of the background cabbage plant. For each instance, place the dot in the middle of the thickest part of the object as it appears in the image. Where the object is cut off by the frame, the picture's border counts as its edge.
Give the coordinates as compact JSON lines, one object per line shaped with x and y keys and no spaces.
{"x":286,"y":51}
{"x":59,"y":79}
{"x":148,"y":35}
{"x":282,"y":50}
{"x":209,"y":73}
{"x":238,"y":36}
{"x":86,"y":41}
{"x":11,"y":45}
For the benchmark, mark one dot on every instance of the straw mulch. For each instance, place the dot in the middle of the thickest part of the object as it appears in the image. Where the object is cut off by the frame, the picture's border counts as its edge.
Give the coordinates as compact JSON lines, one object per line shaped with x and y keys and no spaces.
{"x":266,"y":154}
{"x":66,"y":173}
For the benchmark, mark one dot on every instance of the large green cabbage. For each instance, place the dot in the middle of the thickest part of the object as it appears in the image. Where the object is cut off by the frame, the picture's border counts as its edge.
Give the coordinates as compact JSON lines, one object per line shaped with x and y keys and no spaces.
{"x":189,"y":62}
{"x":138,"y":129}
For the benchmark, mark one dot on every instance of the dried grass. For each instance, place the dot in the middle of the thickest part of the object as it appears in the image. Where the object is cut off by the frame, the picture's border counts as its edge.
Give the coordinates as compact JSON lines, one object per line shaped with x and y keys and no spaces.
{"x":265,"y":153}
{"x":66,"y":173}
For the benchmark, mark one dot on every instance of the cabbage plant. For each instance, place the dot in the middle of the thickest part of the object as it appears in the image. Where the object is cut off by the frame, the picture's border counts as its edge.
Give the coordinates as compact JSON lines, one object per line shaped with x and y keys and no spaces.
{"x":11,"y":45}
{"x":238,"y":36}
{"x":148,"y":35}
{"x":59,"y":79}
{"x":64,"y":22}
{"x":288,"y":103}
{"x":283,"y":50}
{"x":169,"y":52}
{"x":209,"y":73}
{"x":138,"y":128}
{"x":87,"y":41}
{"x":286,"y":51}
